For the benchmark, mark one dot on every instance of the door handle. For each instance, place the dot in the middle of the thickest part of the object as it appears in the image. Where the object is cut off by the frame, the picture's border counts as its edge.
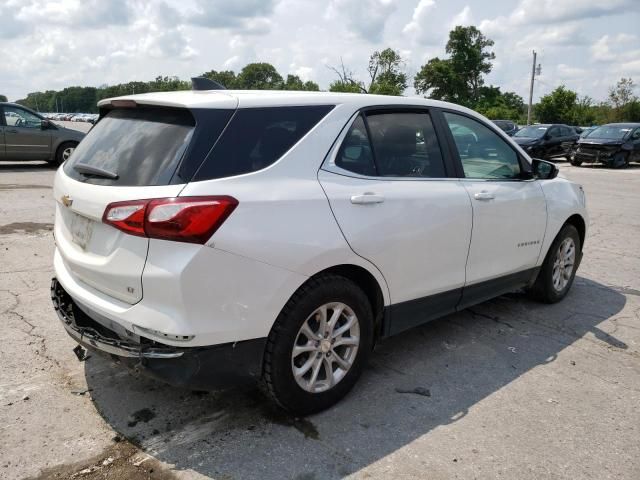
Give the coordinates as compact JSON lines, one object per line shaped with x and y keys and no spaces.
{"x":11,"y":131}
{"x":366,"y":198}
{"x":484,"y":196}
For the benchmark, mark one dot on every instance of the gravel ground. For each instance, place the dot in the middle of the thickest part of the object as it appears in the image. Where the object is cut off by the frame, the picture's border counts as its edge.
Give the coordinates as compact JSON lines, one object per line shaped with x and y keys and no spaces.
{"x":508,"y":389}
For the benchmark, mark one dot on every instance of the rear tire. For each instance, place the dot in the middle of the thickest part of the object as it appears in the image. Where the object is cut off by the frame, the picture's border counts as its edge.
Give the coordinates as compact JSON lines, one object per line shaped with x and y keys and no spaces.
{"x":64,"y":152}
{"x":309,"y":365}
{"x":559,"y":268}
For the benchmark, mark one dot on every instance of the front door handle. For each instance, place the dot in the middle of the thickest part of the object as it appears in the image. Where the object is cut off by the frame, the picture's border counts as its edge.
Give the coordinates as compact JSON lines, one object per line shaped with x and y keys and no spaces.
{"x":484,"y":196}
{"x":11,"y":131}
{"x":366,"y":198}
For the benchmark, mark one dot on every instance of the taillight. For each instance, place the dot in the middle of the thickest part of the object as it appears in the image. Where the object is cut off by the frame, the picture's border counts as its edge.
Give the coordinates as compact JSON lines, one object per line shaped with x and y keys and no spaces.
{"x":182,"y":219}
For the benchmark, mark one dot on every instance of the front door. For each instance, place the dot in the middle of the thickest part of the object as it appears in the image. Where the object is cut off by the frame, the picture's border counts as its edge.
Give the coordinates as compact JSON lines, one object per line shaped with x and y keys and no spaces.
{"x":398,"y":206}
{"x":24,"y":137}
{"x":509,"y":211}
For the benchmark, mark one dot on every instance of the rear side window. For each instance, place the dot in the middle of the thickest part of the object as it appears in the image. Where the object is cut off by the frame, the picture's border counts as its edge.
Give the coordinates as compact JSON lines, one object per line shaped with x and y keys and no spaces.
{"x":257,"y":137}
{"x":142,"y":146}
{"x":355,"y":152}
{"x":405,"y":145}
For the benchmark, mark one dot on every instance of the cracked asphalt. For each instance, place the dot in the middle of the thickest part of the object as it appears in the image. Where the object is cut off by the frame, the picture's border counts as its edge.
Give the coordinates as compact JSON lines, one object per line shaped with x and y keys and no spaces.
{"x":508,"y":389}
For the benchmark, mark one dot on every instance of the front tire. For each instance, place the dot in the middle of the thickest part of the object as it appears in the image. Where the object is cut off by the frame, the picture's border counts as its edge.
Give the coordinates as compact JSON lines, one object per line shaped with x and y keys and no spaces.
{"x":318,"y":345}
{"x":559,"y":268}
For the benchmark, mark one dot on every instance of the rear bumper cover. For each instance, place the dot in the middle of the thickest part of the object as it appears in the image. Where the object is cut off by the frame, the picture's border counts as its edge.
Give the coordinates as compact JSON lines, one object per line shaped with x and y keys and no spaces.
{"x":193,"y":367}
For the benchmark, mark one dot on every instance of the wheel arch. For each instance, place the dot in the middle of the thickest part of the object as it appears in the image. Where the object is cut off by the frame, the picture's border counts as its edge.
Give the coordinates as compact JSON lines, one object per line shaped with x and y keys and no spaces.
{"x":367,"y":281}
{"x":577,"y":221}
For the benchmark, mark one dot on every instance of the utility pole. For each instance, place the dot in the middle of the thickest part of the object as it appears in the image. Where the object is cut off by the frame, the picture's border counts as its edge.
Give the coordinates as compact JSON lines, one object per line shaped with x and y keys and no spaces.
{"x":534,"y":71}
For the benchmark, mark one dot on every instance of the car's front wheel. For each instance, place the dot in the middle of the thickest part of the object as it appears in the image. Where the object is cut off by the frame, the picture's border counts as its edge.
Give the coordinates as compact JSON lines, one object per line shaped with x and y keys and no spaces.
{"x":559,"y":267}
{"x":319,"y":345}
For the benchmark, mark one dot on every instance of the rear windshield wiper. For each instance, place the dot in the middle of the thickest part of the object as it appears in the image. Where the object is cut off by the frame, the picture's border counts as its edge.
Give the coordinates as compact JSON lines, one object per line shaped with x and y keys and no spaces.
{"x":96,"y":171}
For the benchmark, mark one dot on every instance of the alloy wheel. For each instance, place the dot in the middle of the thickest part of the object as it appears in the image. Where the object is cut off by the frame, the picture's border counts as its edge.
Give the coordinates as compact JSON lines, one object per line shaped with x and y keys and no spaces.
{"x":325,"y":347}
{"x":563,"y":264}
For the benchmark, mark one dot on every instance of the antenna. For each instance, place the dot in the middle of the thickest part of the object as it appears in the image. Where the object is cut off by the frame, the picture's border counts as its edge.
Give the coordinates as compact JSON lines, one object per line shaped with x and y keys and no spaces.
{"x":202,"y":83}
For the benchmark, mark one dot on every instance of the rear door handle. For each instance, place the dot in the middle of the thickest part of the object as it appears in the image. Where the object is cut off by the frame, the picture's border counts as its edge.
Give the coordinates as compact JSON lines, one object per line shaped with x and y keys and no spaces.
{"x":484,"y":196}
{"x":366,"y":198}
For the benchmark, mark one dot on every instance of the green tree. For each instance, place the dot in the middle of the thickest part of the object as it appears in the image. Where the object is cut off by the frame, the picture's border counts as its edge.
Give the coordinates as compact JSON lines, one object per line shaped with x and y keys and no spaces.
{"x":497,"y":105}
{"x":3,"y":98}
{"x":622,"y":99}
{"x":345,"y":86}
{"x":294,"y":82}
{"x":385,"y":71}
{"x":438,"y":80}
{"x":557,"y":106}
{"x":458,"y":78}
{"x":226,"y":78}
{"x":259,"y":76}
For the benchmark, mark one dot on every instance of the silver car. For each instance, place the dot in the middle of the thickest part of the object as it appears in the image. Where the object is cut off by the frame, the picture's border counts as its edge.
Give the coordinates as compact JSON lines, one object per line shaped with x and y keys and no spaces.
{"x":27,"y":135}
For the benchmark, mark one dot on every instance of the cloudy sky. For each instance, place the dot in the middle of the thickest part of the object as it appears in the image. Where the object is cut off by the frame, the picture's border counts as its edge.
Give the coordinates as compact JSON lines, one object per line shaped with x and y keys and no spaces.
{"x":585,"y":44}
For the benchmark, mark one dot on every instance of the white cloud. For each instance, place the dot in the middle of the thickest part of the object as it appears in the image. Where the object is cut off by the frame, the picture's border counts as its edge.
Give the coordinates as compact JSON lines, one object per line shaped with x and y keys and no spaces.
{"x":52,"y":44}
{"x":420,"y":28}
{"x":367,"y":18}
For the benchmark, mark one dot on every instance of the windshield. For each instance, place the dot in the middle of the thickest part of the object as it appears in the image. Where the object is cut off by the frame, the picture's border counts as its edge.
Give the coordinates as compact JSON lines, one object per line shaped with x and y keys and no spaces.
{"x":532,"y":132}
{"x":610,"y":132}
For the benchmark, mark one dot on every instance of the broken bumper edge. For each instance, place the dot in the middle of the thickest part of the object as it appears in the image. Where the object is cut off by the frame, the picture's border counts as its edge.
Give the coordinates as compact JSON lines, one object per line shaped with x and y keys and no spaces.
{"x":200,"y":368}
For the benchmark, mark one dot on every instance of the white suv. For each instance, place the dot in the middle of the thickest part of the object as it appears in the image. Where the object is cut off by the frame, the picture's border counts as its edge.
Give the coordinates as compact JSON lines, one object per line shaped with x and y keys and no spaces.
{"x":203,"y":236}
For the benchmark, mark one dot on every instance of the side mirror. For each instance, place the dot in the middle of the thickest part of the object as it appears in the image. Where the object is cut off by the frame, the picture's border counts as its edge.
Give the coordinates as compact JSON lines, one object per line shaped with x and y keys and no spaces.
{"x":44,"y":124}
{"x":544,"y":170}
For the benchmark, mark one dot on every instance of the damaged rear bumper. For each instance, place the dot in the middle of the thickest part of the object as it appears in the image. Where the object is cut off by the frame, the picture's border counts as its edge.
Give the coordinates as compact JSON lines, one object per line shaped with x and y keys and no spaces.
{"x":193,"y":367}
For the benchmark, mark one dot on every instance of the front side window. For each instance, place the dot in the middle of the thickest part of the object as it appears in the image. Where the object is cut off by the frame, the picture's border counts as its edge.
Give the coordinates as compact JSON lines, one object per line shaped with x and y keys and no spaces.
{"x":483,"y":153}
{"x":17,"y":117}
{"x":405,"y":145}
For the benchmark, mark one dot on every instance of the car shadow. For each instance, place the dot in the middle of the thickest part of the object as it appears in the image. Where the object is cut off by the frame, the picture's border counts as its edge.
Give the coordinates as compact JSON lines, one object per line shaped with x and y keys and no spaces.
{"x":19,"y":167}
{"x":417,"y":381}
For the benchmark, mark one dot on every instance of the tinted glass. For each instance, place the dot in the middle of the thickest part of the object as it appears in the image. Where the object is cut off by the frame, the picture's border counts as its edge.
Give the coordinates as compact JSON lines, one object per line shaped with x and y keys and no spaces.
{"x":554,"y":132}
{"x":482,"y":152}
{"x":257,"y":137}
{"x":534,"y":131}
{"x":611,"y":132}
{"x":142,"y":146}
{"x":17,"y":117}
{"x":355,"y":152}
{"x":405,"y":145}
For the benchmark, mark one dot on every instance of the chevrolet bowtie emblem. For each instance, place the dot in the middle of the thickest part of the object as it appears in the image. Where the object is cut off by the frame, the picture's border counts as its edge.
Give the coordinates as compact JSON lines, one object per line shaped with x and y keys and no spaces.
{"x":66,"y":200}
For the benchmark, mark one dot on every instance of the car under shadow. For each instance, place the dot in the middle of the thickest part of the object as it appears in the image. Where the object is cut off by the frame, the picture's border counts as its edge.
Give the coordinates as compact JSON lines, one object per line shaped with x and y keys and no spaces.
{"x":417,"y":381}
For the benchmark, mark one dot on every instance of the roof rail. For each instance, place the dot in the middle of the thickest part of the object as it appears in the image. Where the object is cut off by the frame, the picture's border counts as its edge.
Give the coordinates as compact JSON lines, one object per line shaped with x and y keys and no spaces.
{"x":202,"y":83}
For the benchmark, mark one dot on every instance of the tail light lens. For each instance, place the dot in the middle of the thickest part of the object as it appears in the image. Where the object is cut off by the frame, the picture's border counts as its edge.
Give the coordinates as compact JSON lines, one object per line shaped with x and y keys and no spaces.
{"x":181,"y":219}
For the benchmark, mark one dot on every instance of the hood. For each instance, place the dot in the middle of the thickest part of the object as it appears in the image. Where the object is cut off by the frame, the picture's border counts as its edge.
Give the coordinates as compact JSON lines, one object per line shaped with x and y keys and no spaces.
{"x":600,"y":141}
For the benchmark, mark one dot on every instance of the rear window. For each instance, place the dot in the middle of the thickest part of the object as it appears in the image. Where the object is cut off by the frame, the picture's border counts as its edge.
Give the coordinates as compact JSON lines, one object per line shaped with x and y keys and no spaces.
{"x":257,"y":137}
{"x":142,"y":146}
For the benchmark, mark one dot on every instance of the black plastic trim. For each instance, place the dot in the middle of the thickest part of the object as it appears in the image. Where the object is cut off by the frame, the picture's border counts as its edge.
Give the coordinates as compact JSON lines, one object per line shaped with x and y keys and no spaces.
{"x":405,"y":315}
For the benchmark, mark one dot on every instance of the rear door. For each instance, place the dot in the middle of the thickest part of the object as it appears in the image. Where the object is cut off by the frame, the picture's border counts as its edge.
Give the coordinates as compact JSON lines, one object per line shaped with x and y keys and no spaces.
{"x":391,"y":190}
{"x":142,"y":152}
{"x":24,"y":137}
{"x":509,"y":211}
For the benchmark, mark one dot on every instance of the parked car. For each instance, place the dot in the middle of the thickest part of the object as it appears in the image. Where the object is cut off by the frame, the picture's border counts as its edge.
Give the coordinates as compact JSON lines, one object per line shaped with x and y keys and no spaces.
{"x":613,"y":145}
{"x":26,"y":135}
{"x":547,"y":141}
{"x":203,"y":237}
{"x":586,"y":131}
{"x":507,"y":126}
